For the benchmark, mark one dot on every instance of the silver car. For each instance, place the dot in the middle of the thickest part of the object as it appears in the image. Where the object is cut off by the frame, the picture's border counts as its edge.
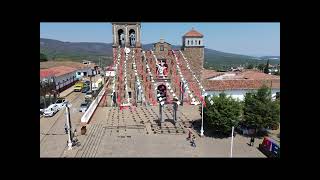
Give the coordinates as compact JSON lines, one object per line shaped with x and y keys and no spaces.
{"x":84,"y":106}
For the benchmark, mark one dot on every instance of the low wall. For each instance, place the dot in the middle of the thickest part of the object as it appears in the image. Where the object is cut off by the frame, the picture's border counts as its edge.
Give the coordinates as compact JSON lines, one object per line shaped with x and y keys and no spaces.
{"x":87,"y":115}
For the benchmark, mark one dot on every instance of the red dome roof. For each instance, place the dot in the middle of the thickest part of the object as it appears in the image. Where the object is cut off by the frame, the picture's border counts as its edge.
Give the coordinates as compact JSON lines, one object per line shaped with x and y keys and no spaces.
{"x":193,"y":33}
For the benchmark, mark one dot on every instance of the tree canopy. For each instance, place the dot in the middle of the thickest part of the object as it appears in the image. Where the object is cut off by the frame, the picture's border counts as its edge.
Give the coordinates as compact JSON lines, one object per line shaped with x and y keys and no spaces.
{"x":259,"y":109}
{"x":43,"y":57}
{"x":224,"y":113}
{"x":266,"y":68}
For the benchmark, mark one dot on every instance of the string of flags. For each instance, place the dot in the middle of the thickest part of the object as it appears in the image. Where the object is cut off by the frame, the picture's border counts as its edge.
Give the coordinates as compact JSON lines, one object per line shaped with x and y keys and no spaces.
{"x":184,"y":81}
{"x":194,"y":76}
{"x":116,"y":70}
{"x":149,"y":72}
{"x":137,"y":77}
{"x":125,"y":77}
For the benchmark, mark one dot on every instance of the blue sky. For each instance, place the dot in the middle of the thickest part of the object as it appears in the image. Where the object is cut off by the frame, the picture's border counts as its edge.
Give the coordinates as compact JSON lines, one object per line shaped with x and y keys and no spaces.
{"x":256,"y":39}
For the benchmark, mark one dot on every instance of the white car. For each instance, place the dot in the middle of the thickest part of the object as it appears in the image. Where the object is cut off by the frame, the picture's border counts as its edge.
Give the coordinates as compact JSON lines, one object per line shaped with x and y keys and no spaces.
{"x":51,"y":110}
{"x":61,"y":102}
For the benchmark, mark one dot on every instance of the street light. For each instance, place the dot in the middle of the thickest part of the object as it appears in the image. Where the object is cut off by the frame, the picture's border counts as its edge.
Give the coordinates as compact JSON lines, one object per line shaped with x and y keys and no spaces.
{"x":201,"y":131}
{"x":231,"y":141}
{"x":69,"y":126}
{"x":204,"y":96}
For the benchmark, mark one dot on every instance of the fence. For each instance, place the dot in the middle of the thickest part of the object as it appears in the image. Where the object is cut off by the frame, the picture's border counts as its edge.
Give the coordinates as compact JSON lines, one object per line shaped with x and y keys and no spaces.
{"x":87,"y":115}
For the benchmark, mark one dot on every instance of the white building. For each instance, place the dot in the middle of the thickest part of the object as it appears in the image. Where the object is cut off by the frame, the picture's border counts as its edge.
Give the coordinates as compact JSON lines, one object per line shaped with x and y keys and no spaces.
{"x":237,"y":85}
{"x":64,"y":76}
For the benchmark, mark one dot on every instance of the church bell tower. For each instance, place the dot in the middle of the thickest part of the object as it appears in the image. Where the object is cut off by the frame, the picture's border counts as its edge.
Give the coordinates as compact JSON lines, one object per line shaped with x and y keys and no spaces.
{"x":193,"y":49}
{"x":126,"y":34}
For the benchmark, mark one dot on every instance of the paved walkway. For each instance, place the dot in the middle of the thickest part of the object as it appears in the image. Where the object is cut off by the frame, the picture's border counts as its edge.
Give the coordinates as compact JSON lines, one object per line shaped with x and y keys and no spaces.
{"x":135,"y":133}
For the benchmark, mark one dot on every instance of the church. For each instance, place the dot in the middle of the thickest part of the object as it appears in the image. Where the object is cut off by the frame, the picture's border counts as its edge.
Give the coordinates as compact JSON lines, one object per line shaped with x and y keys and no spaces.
{"x":165,"y":75}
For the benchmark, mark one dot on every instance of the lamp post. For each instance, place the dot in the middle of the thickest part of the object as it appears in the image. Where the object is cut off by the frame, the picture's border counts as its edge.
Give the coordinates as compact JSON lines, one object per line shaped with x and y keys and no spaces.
{"x":202,"y":131}
{"x":231,"y":141}
{"x":69,"y":126}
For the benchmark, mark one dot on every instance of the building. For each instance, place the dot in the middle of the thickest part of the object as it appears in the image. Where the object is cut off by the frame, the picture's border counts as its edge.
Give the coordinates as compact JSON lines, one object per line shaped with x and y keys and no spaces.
{"x":63,"y":76}
{"x":86,"y":69}
{"x":235,"y":83}
{"x":238,"y":84}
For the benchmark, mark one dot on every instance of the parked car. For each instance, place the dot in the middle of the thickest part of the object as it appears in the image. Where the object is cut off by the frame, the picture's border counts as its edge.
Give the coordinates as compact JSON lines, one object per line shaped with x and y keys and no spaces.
{"x":61,"y":102}
{"x":87,"y":83}
{"x":88,"y":94}
{"x":51,"y":110}
{"x":78,"y":86}
{"x":41,"y":111}
{"x":84,"y":106}
{"x":85,"y":89}
{"x":270,"y":147}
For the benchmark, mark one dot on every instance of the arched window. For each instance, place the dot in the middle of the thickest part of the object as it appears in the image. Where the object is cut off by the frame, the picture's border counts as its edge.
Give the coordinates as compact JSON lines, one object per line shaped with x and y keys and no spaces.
{"x":192,"y":42}
{"x":188,"y":42}
{"x":195,"y":42}
{"x":199,"y":42}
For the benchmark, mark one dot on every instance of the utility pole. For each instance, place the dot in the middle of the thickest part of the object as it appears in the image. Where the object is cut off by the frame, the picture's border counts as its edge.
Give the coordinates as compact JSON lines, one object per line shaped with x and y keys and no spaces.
{"x":69,"y":127}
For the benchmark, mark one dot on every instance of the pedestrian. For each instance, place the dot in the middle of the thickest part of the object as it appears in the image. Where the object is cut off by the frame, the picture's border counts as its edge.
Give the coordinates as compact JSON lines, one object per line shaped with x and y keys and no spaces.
{"x":252,"y":141}
{"x":65,"y":128}
{"x":193,"y":143}
{"x":189,"y":135}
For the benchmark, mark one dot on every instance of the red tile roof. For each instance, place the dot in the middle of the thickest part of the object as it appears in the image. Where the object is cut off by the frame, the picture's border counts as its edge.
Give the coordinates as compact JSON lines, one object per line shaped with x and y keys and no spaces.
{"x":210,"y":73}
{"x":221,"y":85}
{"x":44,"y":73}
{"x":243,"y":80}
{"x":193,"y":33}
{"x":56,"y":71}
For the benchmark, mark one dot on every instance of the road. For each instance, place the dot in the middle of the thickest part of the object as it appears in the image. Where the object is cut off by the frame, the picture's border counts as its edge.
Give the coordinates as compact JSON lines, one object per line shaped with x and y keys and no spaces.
{"x":52,"y":134}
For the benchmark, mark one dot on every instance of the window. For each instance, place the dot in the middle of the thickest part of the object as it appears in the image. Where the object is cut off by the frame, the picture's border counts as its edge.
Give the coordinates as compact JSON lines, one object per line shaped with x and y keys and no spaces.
{"x":195,"y":42}
{"x":188,"y":42}
{"x":199,"y":42}
{"x":161,"y":47}
{"x":192,"y":42}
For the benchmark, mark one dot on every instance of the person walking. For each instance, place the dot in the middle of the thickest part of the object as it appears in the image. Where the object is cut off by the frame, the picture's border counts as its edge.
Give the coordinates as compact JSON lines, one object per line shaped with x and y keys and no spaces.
{"x":193,"y":143}
{"x":189,"y":135}
{"x":252,"y":141}
{"x":65,"y":128}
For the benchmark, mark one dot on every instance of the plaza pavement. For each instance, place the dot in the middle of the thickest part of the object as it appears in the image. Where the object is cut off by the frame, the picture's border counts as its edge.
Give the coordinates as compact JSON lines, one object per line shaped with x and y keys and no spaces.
{"x":135,"y":133}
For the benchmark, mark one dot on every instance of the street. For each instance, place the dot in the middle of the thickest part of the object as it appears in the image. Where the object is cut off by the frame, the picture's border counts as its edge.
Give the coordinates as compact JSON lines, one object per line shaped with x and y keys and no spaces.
{"x":52,"y":128}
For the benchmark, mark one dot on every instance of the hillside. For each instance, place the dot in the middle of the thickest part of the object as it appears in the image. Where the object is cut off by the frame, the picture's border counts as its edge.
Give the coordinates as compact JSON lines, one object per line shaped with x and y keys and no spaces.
{"x":77,"y":51}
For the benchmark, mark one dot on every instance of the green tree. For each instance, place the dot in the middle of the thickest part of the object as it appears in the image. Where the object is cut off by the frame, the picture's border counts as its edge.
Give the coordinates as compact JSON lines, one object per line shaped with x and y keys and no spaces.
{"x":250,"y":66}
{"x":261,"y":67}
{"x":43,"y":57}
{"x":259,"y":109}
{"x":266,"y":68}
{"x":224,"y":113}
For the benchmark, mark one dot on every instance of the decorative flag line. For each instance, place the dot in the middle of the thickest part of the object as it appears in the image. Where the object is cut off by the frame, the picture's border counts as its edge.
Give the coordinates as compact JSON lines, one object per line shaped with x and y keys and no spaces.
{"x":184,"y":81}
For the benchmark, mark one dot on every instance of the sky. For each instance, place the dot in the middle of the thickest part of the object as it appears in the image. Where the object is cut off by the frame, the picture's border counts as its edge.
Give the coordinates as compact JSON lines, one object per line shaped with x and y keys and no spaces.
{"x":255,"y":39}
